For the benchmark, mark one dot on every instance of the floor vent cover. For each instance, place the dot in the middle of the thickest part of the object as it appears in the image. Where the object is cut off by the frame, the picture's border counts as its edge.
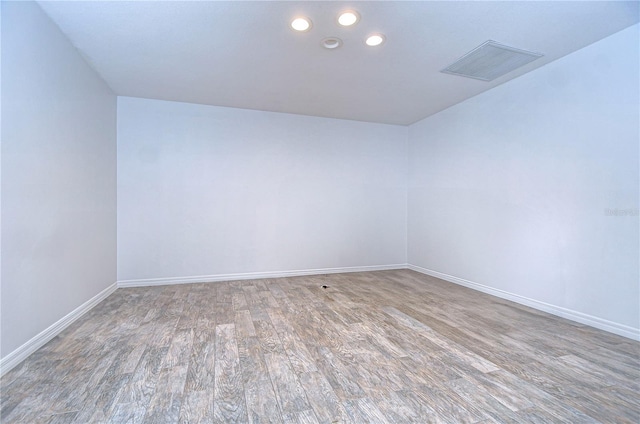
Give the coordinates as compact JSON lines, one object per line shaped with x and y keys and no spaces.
{"x":490,"y":60}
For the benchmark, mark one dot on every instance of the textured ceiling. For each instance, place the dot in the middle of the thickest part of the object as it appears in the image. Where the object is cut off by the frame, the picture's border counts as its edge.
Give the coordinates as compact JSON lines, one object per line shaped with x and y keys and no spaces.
{"x":243,"y":53}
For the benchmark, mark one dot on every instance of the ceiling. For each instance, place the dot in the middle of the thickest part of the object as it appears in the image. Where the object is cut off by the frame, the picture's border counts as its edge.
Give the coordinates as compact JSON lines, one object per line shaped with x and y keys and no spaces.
{"x":244,"y":54}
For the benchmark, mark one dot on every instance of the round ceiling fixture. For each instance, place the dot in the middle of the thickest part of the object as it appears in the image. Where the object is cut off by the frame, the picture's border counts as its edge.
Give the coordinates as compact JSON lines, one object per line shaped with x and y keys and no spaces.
{"x":348,"y":18}
{"x":331,"y":43}
{"x":375,"y":40}
{"x":301,"y":24}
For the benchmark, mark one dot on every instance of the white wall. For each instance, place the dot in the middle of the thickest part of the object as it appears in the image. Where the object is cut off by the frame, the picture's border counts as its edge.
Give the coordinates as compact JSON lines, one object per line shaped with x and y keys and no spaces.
{"x":206,"y":190}
{"x":58,"y":177}
{"x":509,"y":189}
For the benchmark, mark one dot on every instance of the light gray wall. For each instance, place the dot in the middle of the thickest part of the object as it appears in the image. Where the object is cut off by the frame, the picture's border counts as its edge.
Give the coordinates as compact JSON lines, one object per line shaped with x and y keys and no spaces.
{"x":58,"y":177}
{"x":206,"y":190}
{"x":510,"y":188}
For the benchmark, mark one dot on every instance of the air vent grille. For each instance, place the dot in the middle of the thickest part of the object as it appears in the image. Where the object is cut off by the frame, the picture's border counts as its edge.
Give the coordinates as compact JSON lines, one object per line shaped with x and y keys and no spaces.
{"x":490,"y":60}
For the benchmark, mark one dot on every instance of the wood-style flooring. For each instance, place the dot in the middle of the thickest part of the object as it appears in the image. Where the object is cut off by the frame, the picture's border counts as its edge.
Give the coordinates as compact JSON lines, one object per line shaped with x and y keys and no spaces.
{"x":378,"y":347}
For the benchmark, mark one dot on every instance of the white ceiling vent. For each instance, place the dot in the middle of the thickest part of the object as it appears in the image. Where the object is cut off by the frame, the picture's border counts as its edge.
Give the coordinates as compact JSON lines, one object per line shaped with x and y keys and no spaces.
{"x":489,"y":61}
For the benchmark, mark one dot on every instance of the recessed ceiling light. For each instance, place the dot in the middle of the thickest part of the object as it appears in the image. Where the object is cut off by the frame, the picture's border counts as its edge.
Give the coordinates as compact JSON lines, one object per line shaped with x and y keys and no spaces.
{"x":331,"y":43}
{"x":375,"y":40}
{"x":348,"y":18}
{"x":301,"y":24}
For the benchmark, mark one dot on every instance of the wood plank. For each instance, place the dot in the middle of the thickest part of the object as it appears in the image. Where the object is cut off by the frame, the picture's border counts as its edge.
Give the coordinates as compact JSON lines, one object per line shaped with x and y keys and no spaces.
{"x":229,"y":404}
{"x":262,"y":403}
{"x":297,"y":352}
{"x":244,"y":324}
{"x":201,"y":371}
{"x":239,"y":301}
{"x":448,"y":404}
{"x":63,"y":418}
{"x":197,"y":408}
{"x":266,"y":333}
{"x":224,"y":313}
{"x":395,"y":408}
{"x":165,"y":404}
{"x":322,"y":398}
{"x":289,"y":393}
{"x":306,"y":417}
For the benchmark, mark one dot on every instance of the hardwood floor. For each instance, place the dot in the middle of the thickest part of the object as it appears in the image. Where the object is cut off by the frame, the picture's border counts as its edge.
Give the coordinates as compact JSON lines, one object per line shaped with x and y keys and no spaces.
{"x":388,"y":346}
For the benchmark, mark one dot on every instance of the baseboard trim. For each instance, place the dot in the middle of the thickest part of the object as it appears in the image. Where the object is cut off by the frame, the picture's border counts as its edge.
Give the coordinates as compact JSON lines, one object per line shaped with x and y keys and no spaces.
{"x":253,"y":275}
{"x":590,"y":320}
{"x":21,"y":353}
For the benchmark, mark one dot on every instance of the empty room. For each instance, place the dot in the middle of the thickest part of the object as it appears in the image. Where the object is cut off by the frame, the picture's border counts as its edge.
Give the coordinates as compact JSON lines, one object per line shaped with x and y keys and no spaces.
{"x":320,"y":212}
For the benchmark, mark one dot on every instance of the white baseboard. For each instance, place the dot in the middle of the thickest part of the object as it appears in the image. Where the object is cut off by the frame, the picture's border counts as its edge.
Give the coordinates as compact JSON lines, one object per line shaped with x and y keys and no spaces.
{"x":253,"y":275}
{"x":21,"y":353}
{"x":590,"y":320}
